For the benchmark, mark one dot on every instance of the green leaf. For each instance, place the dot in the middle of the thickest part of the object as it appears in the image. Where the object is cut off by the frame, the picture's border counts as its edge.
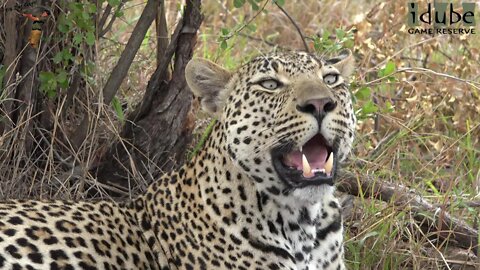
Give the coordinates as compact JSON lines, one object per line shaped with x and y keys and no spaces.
{"x":91,"y":8}
{"x":58,"y":57}
{"x":146,"y":38}
{"x":119,"y":13}
{"x":118,"y":108}
{"x":369,"y":107}
{"x":340,"y":33}
{"x":51,"y":93}
{"x":254,"y":5}
{"x":389,"y":107}
{"x":48,"y":83}
{"x":77,"y":39}
{"x":85,"y":16}
{"x":280,"y":2}
{"x":224,"y":45}
{"x":62,"y":79}
{"x":67,"y":55}
{"x":225,"y":32}
{"x":63,"y":24}
{"x":391,"y":79}
{"x":238,"y":3}
{"x":90,"y":39}
{"x":46,"y":76}
{"x":387,"y":70}
{"x":114,"y":2}
{"x":363,"y":93}
{"x":326,"y":35}
{"x":251,"y":27}
{"x":63,"y":28}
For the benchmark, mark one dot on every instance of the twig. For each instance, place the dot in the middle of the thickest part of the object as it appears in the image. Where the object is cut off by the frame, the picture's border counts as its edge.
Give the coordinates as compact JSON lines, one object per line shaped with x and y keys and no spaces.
{"x":302,"y":36}
{"x":258,"y":39}
{"x":400,"y":51}
{"x":471,"y":83}
{"x":128,"y":54}
{"x":112,"y":20}
{"x":474,"y":84}
{"x":229,"y":36}
{"x":103,"y":19}
{"x":436,"y":218}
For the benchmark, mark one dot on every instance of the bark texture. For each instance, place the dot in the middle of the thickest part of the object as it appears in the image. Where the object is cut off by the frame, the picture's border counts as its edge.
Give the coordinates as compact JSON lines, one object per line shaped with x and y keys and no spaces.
{"x":159,"y":131}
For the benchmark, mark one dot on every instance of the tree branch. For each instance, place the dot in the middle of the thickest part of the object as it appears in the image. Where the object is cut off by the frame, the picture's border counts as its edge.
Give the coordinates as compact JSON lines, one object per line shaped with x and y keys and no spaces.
{"x":162,"y":31}
{"x":158,"y":132}
{"x":435,"y":219}
{"x":120,"y":70}
{"x":105,"y":30}
{"x":302,"y":36}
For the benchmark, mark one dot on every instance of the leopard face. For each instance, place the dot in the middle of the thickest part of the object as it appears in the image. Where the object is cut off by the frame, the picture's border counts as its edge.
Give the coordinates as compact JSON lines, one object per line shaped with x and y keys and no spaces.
{"x":287,"y":118}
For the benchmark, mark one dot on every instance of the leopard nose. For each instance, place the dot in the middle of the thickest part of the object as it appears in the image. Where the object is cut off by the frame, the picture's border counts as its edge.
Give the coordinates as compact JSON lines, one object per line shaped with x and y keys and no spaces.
{"x":318,"y":107}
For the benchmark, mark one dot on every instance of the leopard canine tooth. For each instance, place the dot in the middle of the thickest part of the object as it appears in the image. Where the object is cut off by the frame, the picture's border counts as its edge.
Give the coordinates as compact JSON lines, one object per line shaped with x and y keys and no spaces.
{"x":329,"y":164}
{"x":307,"y":170}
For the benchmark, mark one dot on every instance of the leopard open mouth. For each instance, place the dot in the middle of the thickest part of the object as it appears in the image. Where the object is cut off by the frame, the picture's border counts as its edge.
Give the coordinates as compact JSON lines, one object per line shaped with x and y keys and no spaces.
{"x":314,"y":163}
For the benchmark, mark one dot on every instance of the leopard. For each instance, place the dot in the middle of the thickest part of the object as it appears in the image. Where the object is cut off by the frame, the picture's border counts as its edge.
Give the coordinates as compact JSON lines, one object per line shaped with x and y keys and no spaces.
{"x":260,"y":194}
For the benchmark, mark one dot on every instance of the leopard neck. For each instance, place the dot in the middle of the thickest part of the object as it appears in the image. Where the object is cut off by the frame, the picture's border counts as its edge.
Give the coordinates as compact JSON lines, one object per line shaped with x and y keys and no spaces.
{"x":230,"y":197}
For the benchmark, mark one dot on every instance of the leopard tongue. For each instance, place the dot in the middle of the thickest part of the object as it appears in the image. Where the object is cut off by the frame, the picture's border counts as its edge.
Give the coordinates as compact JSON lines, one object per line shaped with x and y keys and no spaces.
{"x":310,"y":159}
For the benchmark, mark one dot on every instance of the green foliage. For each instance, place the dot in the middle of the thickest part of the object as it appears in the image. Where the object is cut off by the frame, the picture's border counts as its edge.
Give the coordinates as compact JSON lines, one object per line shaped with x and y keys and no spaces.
{"x":76,"y":32}
{"x":113,"y":2}
{"x":63,"y":57}
{"x":387,"y":71}
{"x":249,"y":26}
{"x":364,"y":94}
{"x":279,"y":2}
{"x":238,"y":3}
{"x":146,"y":39}
{"x":332,"y":42}
{"x":48,"y":83}
{"x":117,"y":107}
{"x":51,"y":81}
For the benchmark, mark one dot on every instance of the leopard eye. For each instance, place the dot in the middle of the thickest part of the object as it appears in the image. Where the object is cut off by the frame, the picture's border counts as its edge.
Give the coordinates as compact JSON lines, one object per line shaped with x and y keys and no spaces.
{"x":330,"y":78}
{"x":270,"y":84}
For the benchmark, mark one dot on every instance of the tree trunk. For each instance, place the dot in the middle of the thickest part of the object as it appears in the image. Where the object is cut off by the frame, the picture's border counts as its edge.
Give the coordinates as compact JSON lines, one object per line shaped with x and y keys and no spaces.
{"x":20,"y":84}
{"x":120,"y":70}
{"x":9,"y":20}
{"x":158,"y":132}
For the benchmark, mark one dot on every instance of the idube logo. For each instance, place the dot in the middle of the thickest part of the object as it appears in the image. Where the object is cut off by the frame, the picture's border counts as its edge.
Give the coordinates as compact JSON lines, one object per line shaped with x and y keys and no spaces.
{"x":441,"y":18}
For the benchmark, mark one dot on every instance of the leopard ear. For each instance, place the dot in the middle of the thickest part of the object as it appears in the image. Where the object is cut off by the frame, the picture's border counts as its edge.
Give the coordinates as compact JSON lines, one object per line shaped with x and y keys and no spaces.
{"x":207,"y":81}
{"x":344,"y":63}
